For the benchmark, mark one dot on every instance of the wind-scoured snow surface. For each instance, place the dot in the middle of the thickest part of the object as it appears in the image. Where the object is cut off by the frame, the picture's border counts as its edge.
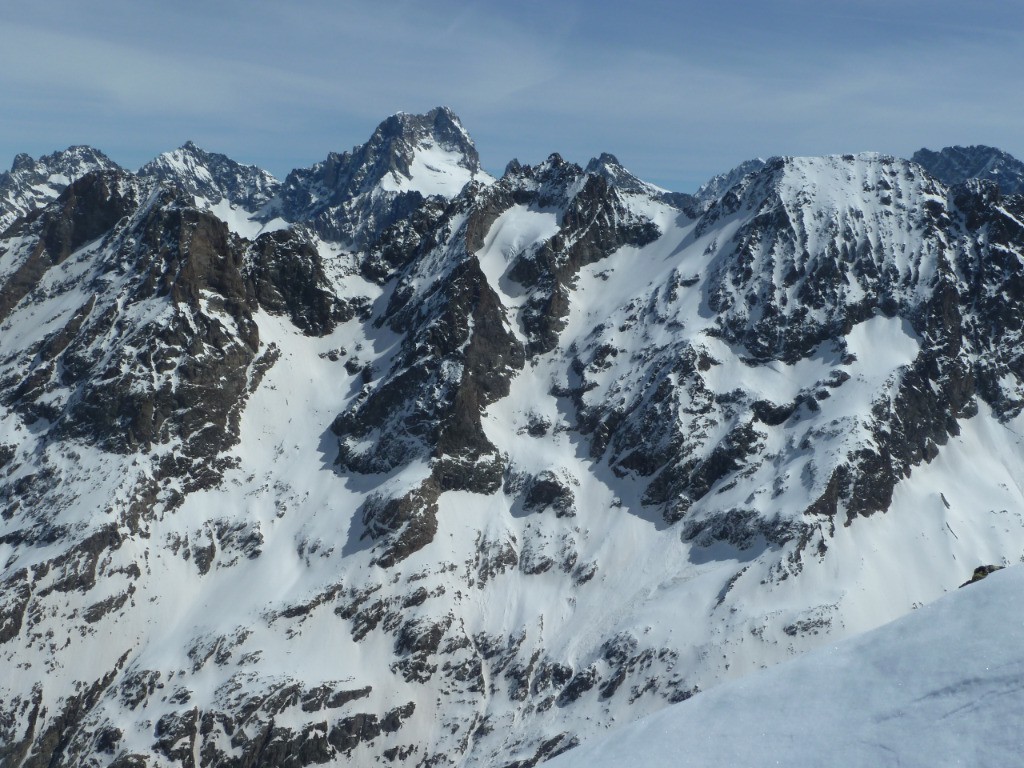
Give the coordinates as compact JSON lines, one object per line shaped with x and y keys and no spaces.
{"x":943,"y":686}
{"x":394,"y":461}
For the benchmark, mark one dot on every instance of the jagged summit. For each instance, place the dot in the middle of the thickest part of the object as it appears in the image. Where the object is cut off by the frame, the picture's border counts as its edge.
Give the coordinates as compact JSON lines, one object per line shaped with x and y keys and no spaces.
{"x":608,"y":166}
{"x":393,"y":148}
{"x":32,"y":184}
{"x":954,"y":165}
{"x":74,"y":161}
{"x":22,"y":162}
{"x":353,"y":196}
{"x":213,"y":177}
{"x":430,"y":154}
{"x":440,"y":125}
{"x":715,"y":187}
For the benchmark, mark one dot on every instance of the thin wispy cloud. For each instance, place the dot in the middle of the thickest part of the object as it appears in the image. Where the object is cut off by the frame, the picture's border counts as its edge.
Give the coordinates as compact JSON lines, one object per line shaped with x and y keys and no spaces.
{"x":678,"y":91}
{"x":130,"y":77}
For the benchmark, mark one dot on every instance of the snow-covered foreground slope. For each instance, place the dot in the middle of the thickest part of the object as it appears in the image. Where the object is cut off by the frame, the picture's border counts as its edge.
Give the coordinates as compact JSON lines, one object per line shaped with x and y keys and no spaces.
{"x":943,"y":686}
{"x":440,"y":469}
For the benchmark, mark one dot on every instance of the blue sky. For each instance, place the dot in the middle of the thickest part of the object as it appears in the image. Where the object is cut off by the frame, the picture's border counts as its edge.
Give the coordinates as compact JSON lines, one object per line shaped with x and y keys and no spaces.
{"x":678,"y":91}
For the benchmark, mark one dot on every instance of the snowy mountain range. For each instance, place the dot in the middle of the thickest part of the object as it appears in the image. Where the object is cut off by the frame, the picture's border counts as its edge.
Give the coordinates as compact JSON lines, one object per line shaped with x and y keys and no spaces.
{"x":397,"y":461}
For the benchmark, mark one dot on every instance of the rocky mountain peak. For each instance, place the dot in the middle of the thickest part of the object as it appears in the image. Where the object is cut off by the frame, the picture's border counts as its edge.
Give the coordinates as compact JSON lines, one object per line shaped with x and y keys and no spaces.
{"x":612,"y":171}
{"x":22,"y":162}
{"x":808,"y":221}
{"x":75,"y":161}
{"x":213,"y":177}
{"x":439,"y":127}
{"x":355,"y":195}
{"x":32,"y":184}
{"x":555,"y":161}
{"x":513,"y":167}
{"x":389,"y":156}
{"x":608,"y":166}
{"x":953,"y":165}
{"x":716,"y":186}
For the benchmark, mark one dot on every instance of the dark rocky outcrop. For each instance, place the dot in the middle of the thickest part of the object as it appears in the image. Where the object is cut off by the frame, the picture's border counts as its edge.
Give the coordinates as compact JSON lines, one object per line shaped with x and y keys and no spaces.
{"x":611,"y":170}
{"x":86,"y":210}
{"x":980,"y":573}
{"x":458,"y":355}
{"x":548,"y":490}
{"x":407,"y":523}
{"x":287,"y":273}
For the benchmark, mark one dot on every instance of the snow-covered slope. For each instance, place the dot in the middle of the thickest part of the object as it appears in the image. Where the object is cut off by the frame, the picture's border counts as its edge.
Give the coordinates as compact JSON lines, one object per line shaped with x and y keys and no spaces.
{"x":944,"y":686}
{"x":459,"y":471}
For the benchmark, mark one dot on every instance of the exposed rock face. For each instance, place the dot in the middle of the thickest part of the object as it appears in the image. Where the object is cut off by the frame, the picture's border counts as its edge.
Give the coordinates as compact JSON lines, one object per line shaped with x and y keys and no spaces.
{"x":990,"y":294}
{"x":31,"y":185}
{"x":213,"y":177}
{"x":459,"y":352}
{"x":118,"y":383}
{"x":608,"y":167}
{"x":82,"y":213}
{"x":594,"y":223}
{"x":955,"y":165}
{"x":981,"y":572}
{"x":354,"y":196}
{"x":841,"y":262}
{"x":837,"y":270}
{"x":457,"y":356}
{"x":289,"y":277}
{"x":712,"y":189}
{"x":456,"y":471}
